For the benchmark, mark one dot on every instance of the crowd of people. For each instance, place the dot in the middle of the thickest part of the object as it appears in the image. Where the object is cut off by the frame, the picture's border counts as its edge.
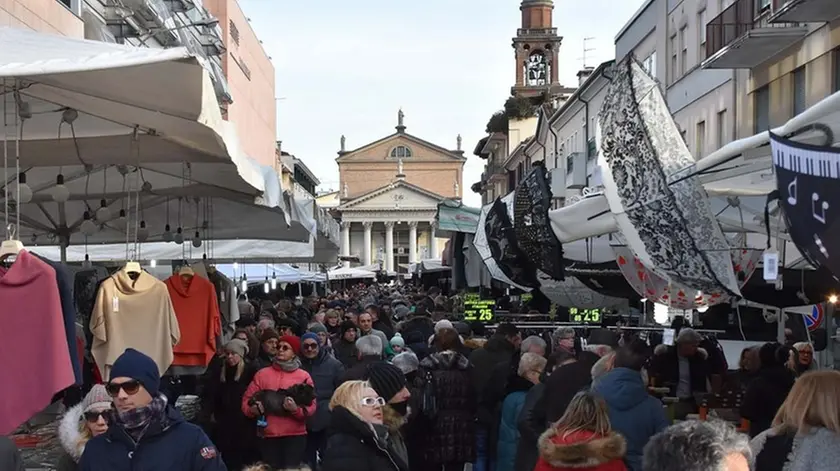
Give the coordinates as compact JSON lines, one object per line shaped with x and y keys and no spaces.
{"x":379,"y":378}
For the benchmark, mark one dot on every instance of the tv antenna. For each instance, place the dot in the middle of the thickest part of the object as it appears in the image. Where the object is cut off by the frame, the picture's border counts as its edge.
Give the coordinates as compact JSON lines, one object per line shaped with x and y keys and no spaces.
{"x":586,"y":49}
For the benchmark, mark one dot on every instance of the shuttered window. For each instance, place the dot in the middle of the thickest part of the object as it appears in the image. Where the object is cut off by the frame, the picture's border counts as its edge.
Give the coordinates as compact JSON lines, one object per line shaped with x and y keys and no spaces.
{"x":761,"y":109}
{"x":799,"y":89}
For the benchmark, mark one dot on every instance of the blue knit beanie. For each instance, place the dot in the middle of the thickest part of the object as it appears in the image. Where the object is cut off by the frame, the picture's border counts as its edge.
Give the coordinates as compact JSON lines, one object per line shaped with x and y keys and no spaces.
{"x":136,"y":365}
{"x":310,"y":335}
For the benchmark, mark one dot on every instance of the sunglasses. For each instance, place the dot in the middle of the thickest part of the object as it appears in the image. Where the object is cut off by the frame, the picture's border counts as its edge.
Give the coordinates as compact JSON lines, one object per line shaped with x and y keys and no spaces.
{"x":130,"y":388}
{"x":94,"y":416}
{"x":310,"y":346}
{"x":372,"y":401}
{"x":284,"y":348}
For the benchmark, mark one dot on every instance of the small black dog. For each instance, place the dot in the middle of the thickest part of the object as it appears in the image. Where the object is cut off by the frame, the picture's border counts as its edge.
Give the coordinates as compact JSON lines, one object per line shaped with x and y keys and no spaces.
{"x":272,"y":401}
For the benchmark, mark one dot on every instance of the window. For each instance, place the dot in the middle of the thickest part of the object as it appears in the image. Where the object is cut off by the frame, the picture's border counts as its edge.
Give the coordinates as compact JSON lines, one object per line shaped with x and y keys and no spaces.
{"x":673,"y":71}
{"x":799,"y":88}
{"x":837,"y":70}
{"x":683,"y":51}
{"x":649,"y":64}
{"x":762,"y":5}
{"x":400,"y":152}
{"x":234,"y":32}
{"x":700,"y":138}
{"x":761,"y":109}
{"x":570,"y":164}
{"x":722,"y":137}
{"x":701,"y":34}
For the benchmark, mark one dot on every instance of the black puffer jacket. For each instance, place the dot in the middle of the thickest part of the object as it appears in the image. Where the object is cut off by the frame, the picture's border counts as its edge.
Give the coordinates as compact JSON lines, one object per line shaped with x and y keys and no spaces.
{"x":353,"y":445}
{"x":416,"y":333}
{"x":451,"y":432}
{"x":495,"y":355}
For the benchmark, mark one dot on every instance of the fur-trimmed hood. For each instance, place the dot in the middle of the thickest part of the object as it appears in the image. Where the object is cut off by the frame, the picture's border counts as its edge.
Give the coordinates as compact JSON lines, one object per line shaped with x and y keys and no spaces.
{"x":69,"y":435}
{"x":475,"y":343}
{"x":393,"y":420}
{"x":662,"y":349}
{"x":580,"y":449}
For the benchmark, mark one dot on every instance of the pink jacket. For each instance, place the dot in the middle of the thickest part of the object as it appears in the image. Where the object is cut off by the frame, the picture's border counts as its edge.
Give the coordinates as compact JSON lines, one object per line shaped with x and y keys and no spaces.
{"x":273,"y":378}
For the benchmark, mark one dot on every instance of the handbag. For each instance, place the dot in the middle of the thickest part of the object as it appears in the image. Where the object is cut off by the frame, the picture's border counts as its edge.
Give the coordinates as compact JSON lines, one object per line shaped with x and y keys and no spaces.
{"x":429,"y":402}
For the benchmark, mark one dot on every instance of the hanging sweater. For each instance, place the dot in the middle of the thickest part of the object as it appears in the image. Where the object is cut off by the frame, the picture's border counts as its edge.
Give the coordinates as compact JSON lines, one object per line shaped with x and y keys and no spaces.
{"x":133,"y":314}
{"x":37,"y":356}
{"x":194,"y":300}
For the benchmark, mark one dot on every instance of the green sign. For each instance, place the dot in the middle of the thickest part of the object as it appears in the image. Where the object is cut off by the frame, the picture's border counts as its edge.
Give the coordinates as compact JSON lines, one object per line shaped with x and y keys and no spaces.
{"x":526,"y":297}
{"x":584,"y":315}
{"x":477,"y":309}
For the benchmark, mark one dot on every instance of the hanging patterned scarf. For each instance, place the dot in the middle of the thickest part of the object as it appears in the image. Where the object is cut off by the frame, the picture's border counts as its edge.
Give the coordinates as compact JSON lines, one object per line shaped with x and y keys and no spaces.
{"x":136,"y":421}
{"x":289,"y":365}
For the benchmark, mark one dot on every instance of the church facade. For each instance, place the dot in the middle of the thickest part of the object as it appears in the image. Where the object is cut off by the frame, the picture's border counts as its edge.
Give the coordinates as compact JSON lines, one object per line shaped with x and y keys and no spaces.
{"x":389,"y":190}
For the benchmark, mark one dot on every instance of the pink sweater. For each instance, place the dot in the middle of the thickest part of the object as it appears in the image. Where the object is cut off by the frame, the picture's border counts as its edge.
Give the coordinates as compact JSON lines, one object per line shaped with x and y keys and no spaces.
{"x":35,"y":347}
{"x":274,"y":378}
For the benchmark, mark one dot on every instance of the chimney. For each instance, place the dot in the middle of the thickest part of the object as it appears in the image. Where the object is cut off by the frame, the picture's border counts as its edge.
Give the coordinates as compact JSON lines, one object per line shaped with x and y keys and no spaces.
{"x":279,"y":145}
{"x":583,"y":74}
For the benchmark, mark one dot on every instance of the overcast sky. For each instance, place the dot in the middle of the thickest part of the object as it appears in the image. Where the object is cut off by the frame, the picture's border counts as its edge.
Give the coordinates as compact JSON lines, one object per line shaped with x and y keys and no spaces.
{"x":346,"y":67}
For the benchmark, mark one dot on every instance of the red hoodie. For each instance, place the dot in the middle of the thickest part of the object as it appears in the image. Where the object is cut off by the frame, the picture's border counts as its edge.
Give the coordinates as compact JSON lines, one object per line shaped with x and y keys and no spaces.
{"x":273,"y":378}
{"x":579,"y":451}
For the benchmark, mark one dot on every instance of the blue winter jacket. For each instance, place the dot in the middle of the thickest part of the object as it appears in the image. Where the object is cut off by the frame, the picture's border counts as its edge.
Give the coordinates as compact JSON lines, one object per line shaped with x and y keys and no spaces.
{"x":171,"y":444}
{"x":509,"y":431}
{"x":633,"y":412}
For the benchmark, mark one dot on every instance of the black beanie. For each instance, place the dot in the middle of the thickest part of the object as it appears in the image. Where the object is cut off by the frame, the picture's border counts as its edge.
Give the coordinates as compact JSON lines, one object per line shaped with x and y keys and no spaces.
{"x":347,"y":325}
{"x":386,"y":379}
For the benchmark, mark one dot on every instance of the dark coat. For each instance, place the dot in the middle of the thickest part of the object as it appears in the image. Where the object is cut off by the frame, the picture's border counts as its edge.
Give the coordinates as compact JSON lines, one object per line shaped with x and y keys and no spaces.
{"x":566,"y":381}
{"x":346,"y":353}
{"x":416,"y":333}
{"x":10,"y":458}
{"x":353,"y":445}
{"x":231,"y":431}
{"x":665,"y":369}
{"x":326,"y":373}
{"x":496,"y":355}
{"x":764,"y":396}
{"x":169,"y":444}
{"x":532,"y":424}
{"x":360,"y":371}
{"x":451,"y":432}
{"x":263,"y":360}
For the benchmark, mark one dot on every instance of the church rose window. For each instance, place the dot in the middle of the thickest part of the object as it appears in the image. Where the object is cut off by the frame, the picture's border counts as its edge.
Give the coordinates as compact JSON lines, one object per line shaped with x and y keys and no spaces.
{"x":400,"y":152}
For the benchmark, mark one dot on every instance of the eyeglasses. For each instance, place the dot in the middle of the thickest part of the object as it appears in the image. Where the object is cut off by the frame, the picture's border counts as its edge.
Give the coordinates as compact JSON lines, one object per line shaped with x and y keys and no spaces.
{"x":372,"y":401}
{"x":310,"y":346}
{"x":271,"y":342}
{"x":284,"y":348}
{"x":130,"y":388}
{"x":94,"y":416}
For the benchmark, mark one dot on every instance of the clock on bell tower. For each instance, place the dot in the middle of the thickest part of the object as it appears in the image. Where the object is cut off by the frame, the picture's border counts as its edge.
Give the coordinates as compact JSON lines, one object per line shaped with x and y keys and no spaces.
{"x":536,"y":47}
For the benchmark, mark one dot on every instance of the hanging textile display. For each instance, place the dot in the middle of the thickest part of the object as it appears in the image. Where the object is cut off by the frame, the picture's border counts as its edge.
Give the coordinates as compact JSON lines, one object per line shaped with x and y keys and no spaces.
{"x":657,"y":289}
{"x":534,"y":236}
{"x":480,"y":243}
{"x":501,"y":239}
{"x":34,"y":369}
{"x":571,"y":292}
{"x":663,"y":213}
{"x":225,"y":297}
{"x":807,"y":178}
{"x":197,"y":312}
{"x":133,"y":310}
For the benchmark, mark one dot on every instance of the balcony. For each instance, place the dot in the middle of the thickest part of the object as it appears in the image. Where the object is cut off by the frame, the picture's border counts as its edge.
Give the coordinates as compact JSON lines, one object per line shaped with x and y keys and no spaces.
{"x":805,"y":11}
{"x":536,"y":32}
{"x":742,"y":38}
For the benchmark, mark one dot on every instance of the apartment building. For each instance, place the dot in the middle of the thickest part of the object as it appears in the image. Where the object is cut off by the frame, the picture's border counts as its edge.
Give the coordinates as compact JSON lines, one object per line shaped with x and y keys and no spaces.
{"x":217,"y":30}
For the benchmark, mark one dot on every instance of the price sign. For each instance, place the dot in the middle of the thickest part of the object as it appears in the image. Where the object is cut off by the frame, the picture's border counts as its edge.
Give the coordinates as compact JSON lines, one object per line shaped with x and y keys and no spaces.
{"x":527,"y":297}
{"x":477,"y":309}
{"x":584,"y":315}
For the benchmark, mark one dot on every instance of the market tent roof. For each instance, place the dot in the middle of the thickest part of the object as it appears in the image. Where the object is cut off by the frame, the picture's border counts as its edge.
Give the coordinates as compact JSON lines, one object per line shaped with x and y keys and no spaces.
{"x":282,"y":272}
{"x":349,"y":274}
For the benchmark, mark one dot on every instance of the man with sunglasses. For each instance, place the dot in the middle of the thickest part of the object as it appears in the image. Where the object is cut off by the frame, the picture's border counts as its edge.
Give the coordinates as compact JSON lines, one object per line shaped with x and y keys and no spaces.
{"x":326,"y":372}
{"x":146,"y":433}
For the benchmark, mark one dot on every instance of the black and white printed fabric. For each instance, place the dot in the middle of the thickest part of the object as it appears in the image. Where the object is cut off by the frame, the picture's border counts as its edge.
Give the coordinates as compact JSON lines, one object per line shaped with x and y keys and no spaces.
{"x":483,"y":248}
{"x":536,"y":239}
{"x":504,"y":247}
{"x":571,"y":292}
{"x":663,"y":213}
{"x":808,"y":180}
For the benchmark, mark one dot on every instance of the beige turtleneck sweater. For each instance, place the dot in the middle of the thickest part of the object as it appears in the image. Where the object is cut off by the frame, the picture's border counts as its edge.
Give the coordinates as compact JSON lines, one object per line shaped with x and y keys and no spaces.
{"x":133,"y":314}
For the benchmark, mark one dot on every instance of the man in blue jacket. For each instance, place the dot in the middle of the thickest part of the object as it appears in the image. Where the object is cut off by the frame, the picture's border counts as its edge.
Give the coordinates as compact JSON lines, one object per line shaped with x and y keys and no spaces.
{"x":146,"y":433}
{"x":633,"y":412}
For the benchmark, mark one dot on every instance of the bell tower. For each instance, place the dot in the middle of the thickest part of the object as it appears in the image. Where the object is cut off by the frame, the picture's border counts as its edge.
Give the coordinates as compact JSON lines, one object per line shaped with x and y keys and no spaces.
{"x":536,"y":47}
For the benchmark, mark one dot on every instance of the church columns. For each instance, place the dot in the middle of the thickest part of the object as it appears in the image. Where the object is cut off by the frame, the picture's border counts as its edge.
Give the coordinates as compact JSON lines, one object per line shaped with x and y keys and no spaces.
{"x":433,"y":245}
{"x":412,"y":242}
{"x":345,"y":242}
{"x":389,"y":246}
{"x":366,"y":260}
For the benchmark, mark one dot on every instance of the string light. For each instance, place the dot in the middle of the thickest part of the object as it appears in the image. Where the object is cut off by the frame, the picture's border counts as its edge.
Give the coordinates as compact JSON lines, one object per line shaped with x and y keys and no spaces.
{"x":244,"y":283}
{"x":274,"y":281}
{"x":660,"y":313}
{"x":266,"y":288}
{"x":153,"y":263}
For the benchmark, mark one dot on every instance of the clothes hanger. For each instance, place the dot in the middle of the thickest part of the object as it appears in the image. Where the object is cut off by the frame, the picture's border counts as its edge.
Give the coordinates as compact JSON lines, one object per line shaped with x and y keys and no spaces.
{"x":11,"y":247}
{"x":132,"y":267}
{"x":186,"y":270}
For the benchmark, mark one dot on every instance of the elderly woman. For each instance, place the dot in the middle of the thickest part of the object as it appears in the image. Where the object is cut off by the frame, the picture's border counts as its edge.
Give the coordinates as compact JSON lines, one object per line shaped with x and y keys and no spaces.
{"x":531,"y":366}
{"x":82,"y":422}
{"x":805,"y":360}
{"x":564,"y":339}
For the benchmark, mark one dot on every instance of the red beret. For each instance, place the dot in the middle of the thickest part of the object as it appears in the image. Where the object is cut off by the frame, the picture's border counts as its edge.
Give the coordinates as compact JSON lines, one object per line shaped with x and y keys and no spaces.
{"x":293,"y":342}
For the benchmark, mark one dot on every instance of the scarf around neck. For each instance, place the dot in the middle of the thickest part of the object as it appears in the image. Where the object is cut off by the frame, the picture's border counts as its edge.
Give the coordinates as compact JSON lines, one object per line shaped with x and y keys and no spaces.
{"x":136,"y":421}
{"x":289,"y":365}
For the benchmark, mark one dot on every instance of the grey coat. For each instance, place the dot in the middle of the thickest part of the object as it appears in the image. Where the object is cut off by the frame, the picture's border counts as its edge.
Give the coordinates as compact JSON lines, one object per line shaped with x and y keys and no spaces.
{"x":817,"y":450}
{"x":10,"y":459}
{"x":326,"y":373}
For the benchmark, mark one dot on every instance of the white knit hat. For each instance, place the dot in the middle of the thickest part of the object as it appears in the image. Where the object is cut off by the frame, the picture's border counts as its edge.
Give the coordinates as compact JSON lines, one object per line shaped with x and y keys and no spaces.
{"x":96,"y":399}
{"x":443,"y":324}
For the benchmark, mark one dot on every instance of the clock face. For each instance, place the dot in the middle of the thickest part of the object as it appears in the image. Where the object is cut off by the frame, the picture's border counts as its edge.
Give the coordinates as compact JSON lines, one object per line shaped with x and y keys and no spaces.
{"x":537,"y":69}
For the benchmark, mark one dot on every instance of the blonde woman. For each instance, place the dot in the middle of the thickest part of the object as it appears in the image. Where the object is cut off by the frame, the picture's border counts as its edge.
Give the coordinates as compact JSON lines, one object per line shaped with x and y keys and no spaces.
{"x":81,"y":423}
{"x":358,"y":439}
{"x":805,"y":435}
{"x":804,"y":357}
{"x":582,"y":439}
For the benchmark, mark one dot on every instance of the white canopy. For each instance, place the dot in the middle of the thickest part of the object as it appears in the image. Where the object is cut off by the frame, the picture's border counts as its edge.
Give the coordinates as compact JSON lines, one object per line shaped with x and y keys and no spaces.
{"x":111,"y":119}
{"x":283,"y":273}
{"x":349,"y":274}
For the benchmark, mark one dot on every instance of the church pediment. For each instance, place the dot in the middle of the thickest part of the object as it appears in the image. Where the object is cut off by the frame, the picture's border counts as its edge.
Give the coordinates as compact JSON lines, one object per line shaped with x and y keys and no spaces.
{"x":396,"y":196}
{"x":401,"y":145}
